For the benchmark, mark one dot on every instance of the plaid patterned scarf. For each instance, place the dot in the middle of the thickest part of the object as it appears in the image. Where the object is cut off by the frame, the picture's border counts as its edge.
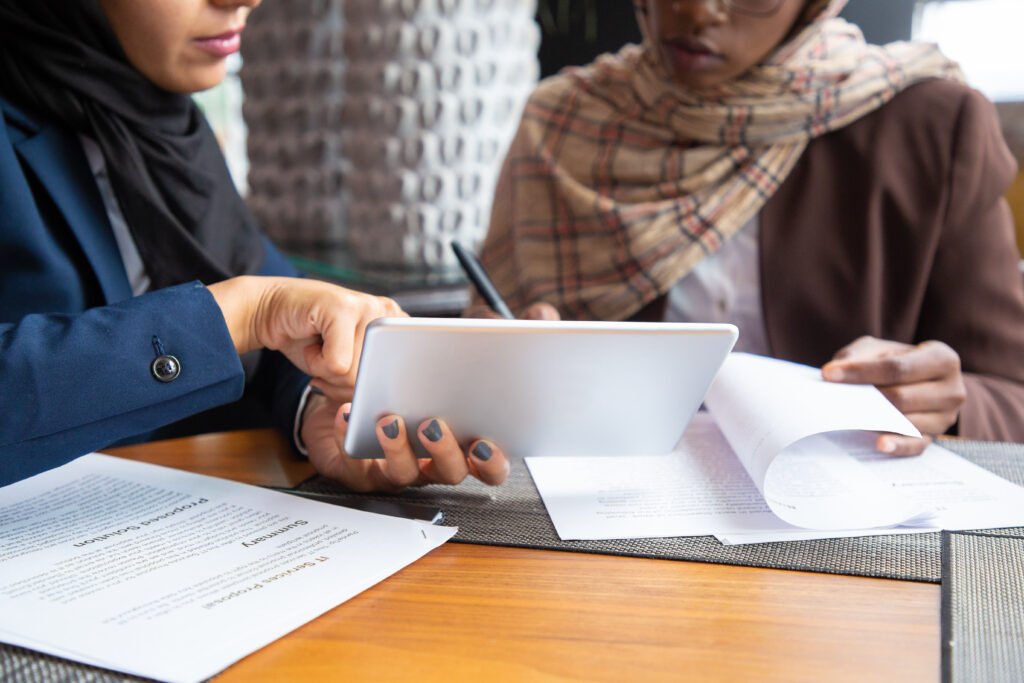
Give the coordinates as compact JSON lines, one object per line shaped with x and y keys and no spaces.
{"x":619,"y":181}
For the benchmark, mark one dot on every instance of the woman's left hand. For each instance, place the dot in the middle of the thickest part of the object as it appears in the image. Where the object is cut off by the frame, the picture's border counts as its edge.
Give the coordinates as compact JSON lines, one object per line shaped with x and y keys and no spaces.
{"x":323,"y":432}
{"x":924,"y":382}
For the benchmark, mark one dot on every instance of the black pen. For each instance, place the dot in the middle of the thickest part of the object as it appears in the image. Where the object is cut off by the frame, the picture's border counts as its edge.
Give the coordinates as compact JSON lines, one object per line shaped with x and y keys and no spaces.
{"x":478,"y":276}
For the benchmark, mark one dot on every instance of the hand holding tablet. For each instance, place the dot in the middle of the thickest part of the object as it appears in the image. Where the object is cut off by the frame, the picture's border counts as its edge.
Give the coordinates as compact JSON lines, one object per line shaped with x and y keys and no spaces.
{"x":324,"y":431}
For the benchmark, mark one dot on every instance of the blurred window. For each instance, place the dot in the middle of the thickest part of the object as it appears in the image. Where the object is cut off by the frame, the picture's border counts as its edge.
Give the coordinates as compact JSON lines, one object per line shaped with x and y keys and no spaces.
{"x":985,"y":36}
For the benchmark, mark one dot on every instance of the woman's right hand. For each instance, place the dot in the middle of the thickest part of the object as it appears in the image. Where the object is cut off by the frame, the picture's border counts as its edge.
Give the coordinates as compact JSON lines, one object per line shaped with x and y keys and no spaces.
{"x":318,"y":326}
{"x":325,"y":424}
{"x":924,"y":381}
{"x":539,"y":310}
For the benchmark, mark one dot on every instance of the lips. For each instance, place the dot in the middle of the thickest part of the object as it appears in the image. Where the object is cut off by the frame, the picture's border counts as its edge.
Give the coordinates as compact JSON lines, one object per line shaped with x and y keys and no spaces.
{"x":694,"y":45}
{"x":220,"y":45}
{"x":691,"y":54}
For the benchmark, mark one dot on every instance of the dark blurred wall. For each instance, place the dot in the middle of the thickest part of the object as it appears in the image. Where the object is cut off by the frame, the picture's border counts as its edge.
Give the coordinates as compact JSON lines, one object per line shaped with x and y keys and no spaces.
{"x":576,"y":31}
{"x":882,"y":21}
{"x":573,"y":32}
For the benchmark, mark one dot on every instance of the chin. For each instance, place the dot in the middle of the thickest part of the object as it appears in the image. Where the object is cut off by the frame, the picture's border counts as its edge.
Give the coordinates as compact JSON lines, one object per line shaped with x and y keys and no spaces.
{"x":698,"y":81}
{"x":708,"y":85}
{"x":210,"y":79}
{"x":193,"y":80}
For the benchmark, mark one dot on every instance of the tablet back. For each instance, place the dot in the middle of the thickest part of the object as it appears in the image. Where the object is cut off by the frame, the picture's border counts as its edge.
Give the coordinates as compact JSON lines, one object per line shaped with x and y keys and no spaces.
{"x":537,"y":387}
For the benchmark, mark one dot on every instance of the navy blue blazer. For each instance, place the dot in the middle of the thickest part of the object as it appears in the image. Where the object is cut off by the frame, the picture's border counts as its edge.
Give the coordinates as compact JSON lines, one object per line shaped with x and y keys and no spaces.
{"x":76,"y":346}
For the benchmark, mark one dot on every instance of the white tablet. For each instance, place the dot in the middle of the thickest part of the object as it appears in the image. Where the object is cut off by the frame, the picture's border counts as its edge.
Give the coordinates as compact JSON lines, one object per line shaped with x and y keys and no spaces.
{"x":537,"y":387}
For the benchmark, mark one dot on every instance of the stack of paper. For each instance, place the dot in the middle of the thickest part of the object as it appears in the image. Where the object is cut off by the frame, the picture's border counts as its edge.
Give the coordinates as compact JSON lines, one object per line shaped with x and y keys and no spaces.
{"x":174,"y":576}
{"x":781,"y":455}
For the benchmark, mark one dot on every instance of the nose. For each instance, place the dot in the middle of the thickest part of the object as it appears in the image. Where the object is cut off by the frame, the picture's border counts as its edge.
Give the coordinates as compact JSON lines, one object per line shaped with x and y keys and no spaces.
{"x":697,"y":13}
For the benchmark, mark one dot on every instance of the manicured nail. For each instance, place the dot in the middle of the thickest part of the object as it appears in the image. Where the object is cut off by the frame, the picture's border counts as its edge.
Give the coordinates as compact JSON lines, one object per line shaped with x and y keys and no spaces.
{"x":433,"y":431}
{"x":886,"y":445}
{"x":482,"y":451}
{"x":391,"y":430}
{"x":344,"y":416}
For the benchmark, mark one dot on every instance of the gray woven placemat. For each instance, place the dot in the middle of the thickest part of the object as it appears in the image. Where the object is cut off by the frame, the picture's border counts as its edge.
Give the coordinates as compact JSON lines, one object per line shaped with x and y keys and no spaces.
{"x":982,"y":607}
{"x":513,"y":515}
{"x":18,"y":665}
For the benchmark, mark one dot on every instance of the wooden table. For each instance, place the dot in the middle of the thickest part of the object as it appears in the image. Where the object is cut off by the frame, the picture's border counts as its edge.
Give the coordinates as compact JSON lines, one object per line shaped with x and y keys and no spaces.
{"x":468,"y":612}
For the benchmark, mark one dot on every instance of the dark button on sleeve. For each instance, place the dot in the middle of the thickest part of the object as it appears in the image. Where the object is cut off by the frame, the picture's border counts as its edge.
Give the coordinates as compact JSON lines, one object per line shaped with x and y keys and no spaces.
{"x":165,"y":368}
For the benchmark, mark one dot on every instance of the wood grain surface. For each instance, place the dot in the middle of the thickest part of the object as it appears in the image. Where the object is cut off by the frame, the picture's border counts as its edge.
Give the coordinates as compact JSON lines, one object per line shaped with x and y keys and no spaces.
{"x":467,"y":612}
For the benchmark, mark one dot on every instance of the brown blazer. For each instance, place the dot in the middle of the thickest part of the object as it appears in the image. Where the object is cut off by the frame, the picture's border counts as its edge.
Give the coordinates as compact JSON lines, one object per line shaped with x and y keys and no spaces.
{"x":896,"y":227}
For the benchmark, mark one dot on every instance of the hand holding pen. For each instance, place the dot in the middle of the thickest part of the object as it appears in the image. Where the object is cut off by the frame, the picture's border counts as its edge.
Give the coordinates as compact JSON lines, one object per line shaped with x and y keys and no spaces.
{"x":483,"y":284}
{"x":489,"y":293}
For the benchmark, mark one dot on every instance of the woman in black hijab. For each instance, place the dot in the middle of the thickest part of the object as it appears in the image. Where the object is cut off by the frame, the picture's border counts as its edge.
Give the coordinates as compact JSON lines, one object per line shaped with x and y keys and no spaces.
{"x":132,"y":276}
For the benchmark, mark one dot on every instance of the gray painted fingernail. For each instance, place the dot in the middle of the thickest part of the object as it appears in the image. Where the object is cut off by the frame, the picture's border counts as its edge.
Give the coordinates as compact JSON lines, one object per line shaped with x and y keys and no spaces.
{"x":391,"y":430}
{"x":344,"y":416}
{"x":433,"y":431}
{"x":482,"y":451}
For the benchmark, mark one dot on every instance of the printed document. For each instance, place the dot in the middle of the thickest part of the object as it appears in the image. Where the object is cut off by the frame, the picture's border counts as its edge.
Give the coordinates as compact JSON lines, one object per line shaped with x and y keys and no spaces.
{"x":174,"y":576}
{"x":780,"y":455}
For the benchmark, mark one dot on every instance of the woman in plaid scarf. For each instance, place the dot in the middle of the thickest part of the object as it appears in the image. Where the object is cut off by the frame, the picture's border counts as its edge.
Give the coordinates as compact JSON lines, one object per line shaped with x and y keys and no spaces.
{"x":756,"y":162}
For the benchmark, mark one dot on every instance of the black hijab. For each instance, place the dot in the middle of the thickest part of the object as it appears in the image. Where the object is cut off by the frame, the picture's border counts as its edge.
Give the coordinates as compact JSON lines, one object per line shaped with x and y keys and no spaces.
{"x":62,"y":61}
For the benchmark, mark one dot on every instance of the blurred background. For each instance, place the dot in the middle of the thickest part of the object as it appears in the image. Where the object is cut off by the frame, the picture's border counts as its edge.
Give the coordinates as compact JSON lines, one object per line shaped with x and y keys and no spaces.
{"x":982,"y":35}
